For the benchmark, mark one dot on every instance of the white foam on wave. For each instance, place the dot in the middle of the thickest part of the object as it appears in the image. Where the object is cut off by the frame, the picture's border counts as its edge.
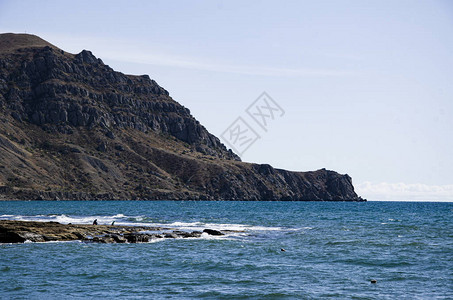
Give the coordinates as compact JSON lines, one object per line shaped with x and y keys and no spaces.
{"x":51,"y":242}
{"x":65,"y":219}
{"x":216,"y":226}
{"x":228,"y":237}
{"x":104,"y":220}
{"x":123,"y":220}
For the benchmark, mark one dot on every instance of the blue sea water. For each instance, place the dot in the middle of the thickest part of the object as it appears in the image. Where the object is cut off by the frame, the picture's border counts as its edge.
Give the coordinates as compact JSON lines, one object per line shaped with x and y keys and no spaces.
{"x":333,"y":250}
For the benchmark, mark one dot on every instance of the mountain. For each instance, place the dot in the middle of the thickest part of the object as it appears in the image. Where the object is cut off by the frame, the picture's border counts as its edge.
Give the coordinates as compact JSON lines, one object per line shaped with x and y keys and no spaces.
{"x":73,"y":128}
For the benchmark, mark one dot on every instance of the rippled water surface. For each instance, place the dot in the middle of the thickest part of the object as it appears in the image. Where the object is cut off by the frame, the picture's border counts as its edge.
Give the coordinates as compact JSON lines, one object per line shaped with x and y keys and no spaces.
{"x":333,"y":250}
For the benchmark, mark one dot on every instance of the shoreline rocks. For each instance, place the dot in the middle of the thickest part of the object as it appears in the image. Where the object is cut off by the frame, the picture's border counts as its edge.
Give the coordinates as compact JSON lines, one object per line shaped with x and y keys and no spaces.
{"x":31,"y":231}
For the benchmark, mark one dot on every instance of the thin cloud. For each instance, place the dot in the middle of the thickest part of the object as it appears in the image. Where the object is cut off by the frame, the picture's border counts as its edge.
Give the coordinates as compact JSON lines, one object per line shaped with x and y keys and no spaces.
{"x":405,"y":191}
{"x":194,"y":63}
{"x":126,"y":51}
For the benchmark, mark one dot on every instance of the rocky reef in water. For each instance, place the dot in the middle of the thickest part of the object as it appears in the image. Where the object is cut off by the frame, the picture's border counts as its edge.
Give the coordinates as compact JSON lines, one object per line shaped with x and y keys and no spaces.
{"x":25,"y":231}
{"x":72,"y":128}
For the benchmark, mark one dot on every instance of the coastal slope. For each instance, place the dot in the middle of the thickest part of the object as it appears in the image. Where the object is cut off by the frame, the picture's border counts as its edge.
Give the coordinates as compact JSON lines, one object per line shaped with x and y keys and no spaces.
{"x":72,"y":128}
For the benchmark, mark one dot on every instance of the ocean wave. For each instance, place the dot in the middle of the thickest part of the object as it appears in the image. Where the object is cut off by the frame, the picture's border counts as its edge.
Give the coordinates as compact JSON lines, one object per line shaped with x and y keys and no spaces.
{"x":217,"y":226}
{"x":124,"y":220}
{"x":65,"y":219}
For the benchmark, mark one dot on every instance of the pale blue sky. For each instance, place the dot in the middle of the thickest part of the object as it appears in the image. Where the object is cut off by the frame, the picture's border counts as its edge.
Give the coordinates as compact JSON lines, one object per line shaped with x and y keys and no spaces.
{"x":366,"y":85}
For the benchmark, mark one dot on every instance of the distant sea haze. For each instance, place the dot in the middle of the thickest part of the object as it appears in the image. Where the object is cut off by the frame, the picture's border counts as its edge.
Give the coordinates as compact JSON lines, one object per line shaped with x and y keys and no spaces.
{"x":405,"y":192}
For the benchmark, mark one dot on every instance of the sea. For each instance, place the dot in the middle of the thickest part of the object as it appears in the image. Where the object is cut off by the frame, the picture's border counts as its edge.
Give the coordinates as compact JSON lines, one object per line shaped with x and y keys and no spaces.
{"x":333,"y":250}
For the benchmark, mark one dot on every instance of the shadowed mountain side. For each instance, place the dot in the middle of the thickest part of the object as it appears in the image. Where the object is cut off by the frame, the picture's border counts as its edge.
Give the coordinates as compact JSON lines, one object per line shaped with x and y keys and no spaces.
{"x":73,"y":128}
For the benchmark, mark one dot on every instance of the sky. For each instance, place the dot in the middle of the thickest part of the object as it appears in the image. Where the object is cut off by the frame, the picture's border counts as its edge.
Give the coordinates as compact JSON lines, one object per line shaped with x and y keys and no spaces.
{"x":366,"y":86}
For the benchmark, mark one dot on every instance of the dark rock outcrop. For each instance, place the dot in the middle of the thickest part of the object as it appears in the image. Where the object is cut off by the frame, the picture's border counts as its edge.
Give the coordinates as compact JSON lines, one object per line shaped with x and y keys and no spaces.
{"x":23,"y":231}
{"x":213,"y":232}
{"x":73,"y":128}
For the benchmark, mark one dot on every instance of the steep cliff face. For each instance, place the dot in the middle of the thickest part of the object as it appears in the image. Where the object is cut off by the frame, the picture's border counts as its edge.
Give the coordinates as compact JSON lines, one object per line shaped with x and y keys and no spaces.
{"x":73,"y":128}
{"x":60,"y":91}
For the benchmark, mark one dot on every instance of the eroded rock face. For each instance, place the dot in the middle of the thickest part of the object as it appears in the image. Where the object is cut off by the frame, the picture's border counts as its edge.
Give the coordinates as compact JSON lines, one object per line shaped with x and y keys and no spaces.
{"x":71,"y":128}
{"x":60,"y":92}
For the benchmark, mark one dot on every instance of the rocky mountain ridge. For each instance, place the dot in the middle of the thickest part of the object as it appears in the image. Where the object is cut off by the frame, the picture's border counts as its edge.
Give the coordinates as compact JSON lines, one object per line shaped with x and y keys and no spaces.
{"x":73,"y":128}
